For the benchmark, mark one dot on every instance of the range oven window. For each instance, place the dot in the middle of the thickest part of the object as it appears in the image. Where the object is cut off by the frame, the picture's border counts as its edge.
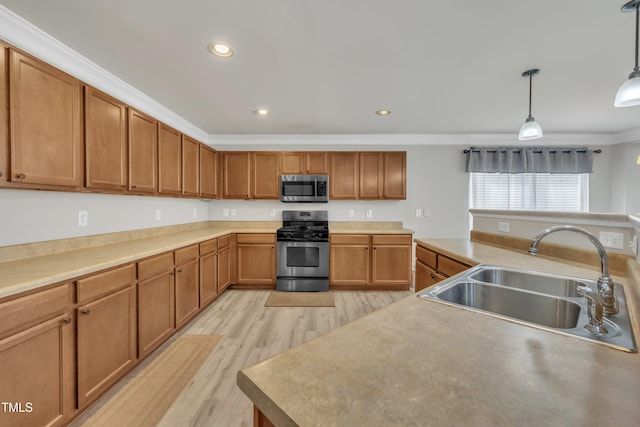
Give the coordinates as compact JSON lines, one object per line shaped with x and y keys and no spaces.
{"x":299,"y":188}
{"x":303,"y":257}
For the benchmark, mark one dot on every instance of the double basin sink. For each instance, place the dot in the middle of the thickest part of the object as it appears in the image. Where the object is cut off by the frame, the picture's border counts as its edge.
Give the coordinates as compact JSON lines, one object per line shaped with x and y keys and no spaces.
{"x":545,"y":301}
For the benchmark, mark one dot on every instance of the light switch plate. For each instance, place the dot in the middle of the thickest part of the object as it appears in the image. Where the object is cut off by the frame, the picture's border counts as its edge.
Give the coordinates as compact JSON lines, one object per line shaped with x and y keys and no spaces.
{"x":418,"y":212}
{"x":83,"y":218}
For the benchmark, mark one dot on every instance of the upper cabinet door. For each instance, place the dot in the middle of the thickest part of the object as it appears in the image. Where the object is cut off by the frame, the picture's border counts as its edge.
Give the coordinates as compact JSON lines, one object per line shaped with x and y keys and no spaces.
{"x":370,"y":175}
{"x":143,"y":153}
{"x":316,"y":163}
{"x":190,"y":167}
{"x":292,"y":163}
{"x":208,"y":172}
{"x":395,"y":175}
{"x":105,"y":141}
{"x":235,"y":169}
{"x":264,"y":174}
{"x":169,"y":160}
{"x":46,"y":124}
{"x":344,"y":180}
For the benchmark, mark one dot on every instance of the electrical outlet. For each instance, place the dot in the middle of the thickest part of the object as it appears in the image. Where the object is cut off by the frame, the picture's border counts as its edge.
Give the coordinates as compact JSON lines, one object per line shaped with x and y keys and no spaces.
{"x":503,"y":226}
{"x":426,"y":212}
{"x":83,"y":218}
{"x":225,"y":212}
{"x":418,"y":213}
{"x":233,"y":212}
{"x":158,"y":215}
{"x":272,"y":212}
{"x":369,"y":213}
{"x":351,"y":213}
{"x":612,"y":240}
{"x":195,"y":213}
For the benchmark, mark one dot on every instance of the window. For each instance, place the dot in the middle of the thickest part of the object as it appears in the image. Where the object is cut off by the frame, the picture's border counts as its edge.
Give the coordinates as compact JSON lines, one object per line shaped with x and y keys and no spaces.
{"x":529,"y":191}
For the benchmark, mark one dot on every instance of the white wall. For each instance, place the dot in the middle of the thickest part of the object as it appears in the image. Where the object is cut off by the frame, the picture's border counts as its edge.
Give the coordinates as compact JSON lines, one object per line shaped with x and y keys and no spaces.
{"x":30,"y":216}
{"x":625,"y":178}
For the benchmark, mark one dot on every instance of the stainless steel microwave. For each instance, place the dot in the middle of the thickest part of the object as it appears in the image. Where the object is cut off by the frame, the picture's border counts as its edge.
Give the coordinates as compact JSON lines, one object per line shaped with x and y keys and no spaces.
{"x":304,"y":188}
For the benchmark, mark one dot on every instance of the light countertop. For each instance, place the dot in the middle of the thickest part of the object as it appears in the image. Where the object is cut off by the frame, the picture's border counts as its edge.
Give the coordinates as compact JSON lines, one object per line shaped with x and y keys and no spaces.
{"x":422,"y":363}
{"x":30,"y":273}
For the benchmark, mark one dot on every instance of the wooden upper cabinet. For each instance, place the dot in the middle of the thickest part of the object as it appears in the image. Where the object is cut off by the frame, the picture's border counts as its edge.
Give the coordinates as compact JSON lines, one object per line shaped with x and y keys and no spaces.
{"x":236,"y":171}
{"x":292,"y":163}
{"x":46,"y":124}
{"x":208,"y":172}
{"x":4,"y":113}
{"x":105,"y":141}
{"x":316,"y":163}
{"x":344,"y":180}
{"x":143,"y":153}
{"x":264,"y":175}
{"x":371,"y":175}
{"x":395,"y":175}
{"x":309,"y":163}
{"x":169,"y":160}
{"x":190,"y":166}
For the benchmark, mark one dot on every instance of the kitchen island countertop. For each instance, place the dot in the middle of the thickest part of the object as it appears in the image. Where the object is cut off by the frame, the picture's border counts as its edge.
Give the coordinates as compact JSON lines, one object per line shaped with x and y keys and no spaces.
{"x":422,"y":363}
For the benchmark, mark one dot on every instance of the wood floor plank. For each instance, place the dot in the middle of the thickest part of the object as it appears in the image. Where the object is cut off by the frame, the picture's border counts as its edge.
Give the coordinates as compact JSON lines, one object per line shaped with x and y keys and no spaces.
{"x":252,"y":333}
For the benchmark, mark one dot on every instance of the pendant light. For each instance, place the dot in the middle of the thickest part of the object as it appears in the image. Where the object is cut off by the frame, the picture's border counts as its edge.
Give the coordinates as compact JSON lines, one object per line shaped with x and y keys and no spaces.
{"x":629,"y":93}
{"x":530,"y":129}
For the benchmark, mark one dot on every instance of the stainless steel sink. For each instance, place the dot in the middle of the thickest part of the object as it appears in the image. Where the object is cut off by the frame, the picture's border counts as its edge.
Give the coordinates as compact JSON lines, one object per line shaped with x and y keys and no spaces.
{"x":530,"y":307}
{"x":545,"y":301}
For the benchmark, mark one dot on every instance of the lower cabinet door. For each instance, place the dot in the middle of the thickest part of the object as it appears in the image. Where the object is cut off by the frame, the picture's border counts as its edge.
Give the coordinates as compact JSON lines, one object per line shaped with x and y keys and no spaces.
{"x":425,"y":276}
{"x":208,"y":278}
{"x":106,"y":343}
{"x":156,"y":312}
{"x":38,"y":375}
{"x":349,"y":265}
{"x":224,"y":269}
{"x":187,"y":292}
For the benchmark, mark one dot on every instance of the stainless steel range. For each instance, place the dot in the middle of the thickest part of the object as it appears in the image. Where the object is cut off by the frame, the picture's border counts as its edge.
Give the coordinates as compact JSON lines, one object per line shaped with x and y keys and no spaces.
{"x":303,"y":251}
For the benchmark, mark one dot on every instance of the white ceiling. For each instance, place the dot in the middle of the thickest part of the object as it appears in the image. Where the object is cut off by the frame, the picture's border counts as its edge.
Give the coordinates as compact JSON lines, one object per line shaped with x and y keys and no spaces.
{"x":324,"y":67}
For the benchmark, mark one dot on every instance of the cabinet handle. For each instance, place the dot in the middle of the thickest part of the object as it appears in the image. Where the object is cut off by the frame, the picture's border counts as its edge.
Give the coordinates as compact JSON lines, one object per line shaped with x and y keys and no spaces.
{"x":133,"y":186}
{"x":85,"y":311}
{"x":179,"y":270}
{"x":67,"y":320}
{"x":0,"y":174}
{"x":433,"y":276}
{"x":21,"y":176}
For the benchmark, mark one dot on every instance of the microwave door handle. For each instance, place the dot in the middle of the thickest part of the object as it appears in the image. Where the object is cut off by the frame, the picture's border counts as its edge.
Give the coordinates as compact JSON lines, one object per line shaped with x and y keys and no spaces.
{"x":315,"y":188}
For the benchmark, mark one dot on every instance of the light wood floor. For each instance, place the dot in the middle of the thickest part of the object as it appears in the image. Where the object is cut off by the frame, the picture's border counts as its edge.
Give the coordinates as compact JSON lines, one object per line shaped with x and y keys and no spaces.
{"x":251,"y":333}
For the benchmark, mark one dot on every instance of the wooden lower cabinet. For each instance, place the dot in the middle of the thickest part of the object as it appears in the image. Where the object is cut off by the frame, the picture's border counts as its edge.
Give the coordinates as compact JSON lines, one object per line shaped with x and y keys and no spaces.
{"x":350,"y":261}
{"x":362,"y":261}
{"x":156,"y":303}
{"x":260,"y":419}
{"x":432,"y":267}
{"x":224,"y":268}
{"x":106,"y":342}
{"x":208,"y":272}
{"x":38,"y":374}
{"x":256,"y":259}
{"x":187,"y":292}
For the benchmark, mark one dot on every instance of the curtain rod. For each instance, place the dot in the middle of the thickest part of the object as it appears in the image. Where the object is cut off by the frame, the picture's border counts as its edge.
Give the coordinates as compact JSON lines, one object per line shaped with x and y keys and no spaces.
{"x":598,"y":151}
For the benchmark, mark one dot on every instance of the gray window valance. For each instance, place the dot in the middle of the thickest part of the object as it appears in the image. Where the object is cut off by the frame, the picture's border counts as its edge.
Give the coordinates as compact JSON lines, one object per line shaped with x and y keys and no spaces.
{"x":530,"y":160}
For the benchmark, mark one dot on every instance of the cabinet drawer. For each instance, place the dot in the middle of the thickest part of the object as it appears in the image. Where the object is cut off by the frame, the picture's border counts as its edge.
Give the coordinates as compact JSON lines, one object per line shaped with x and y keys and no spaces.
{"x":426,"y":256}
{"x":187,"y":254}
{"x":224,"y":241}
{"x":153,"y":266}
{"x":349,"y":239}
{"x":256,"y":238}
{"x":391,"y":239}
{"x":450,"y":267}
{"x":208,"y":247}
{"x":24,"y":312}
{"x":105,"y":283}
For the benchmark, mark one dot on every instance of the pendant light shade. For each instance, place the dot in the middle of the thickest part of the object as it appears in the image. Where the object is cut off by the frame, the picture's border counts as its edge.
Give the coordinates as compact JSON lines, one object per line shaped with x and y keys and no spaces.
{"x":530,"y":129}
{"x":629,"y":93}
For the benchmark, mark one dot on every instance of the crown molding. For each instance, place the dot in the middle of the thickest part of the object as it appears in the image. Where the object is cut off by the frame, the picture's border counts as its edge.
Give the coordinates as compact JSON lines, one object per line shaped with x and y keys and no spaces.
{"x":20,"y":33}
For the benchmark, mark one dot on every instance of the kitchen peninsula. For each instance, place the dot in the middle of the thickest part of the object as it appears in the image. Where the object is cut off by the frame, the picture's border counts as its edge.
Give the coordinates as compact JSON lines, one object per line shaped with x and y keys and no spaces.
{"x":418,"y":363}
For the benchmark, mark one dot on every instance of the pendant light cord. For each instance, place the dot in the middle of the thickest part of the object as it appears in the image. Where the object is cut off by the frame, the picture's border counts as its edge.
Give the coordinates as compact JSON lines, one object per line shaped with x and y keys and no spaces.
{"x":531,"y":85}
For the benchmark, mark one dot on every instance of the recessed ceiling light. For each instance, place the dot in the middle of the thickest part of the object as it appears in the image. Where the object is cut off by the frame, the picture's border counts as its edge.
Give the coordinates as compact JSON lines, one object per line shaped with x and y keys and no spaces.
{"x":220,"y":49}
{"x":383,"y":112}
{"x":261,"y":112}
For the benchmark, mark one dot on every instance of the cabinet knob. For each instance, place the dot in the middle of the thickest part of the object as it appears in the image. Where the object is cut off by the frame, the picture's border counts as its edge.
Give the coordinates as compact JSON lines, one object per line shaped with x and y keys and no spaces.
{"x":86,"y":311}
{"x":21,"y":176}
{"x":0,"y":174}
{"x":67,"y":320}
{"x":433,"y":276}
{"x":179,"y":270}
{"x":133,"y":186}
